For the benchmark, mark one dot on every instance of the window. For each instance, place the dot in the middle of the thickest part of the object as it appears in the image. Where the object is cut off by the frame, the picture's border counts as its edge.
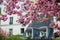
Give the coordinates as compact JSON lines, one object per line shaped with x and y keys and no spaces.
{"x":0,"y":10}
{"x":58,"y":1}
{"x":43,"y":32}
{"x":10,"y":32}
{"x":50,"y":32}
{"x":22,"y":6}
{"x":11,"y":20}
{"x":22,"y":30}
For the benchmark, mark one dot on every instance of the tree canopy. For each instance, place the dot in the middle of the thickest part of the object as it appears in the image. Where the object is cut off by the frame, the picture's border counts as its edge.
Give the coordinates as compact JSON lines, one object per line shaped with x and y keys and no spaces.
{"x":33,"y":8}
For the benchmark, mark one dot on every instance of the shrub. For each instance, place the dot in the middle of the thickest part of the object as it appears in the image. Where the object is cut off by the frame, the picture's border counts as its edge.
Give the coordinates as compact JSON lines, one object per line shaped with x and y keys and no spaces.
{"x":2,"y":34}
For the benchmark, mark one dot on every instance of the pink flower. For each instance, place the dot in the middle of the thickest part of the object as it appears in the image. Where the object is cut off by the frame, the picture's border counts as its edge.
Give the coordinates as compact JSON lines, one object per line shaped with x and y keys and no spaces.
{"x":52,"y":24}
{"x":22,"y":0}
{"x":17,"y":7}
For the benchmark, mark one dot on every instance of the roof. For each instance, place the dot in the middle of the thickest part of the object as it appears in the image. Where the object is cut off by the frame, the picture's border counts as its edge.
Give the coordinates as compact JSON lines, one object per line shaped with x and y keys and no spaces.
{"x":40,"y":24}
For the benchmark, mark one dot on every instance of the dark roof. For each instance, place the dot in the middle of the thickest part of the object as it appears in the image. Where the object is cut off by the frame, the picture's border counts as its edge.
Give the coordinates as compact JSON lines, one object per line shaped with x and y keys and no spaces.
{"x":40,"y":24}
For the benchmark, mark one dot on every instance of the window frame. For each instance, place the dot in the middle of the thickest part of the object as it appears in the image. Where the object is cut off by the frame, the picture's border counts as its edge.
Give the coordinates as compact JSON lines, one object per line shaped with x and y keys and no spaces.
{"x":11,"y":21}
{"x":10,"y":32}
{"x":22,"y":30}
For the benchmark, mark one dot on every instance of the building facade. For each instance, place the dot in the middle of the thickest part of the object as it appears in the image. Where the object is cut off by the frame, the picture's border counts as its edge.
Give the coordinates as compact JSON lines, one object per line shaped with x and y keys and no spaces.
{"x":38,"y":29}
{"x":10,"y":25}
{"x":15,"y":28}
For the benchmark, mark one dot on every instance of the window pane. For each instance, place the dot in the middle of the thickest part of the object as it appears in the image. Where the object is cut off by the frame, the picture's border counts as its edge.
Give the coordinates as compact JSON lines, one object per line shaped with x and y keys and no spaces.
{"x":43,"y":32}
{"x":22,"y":7}
{"x":22,"y":30}
{"x":11,"y":20}
{"x":10,"y":32}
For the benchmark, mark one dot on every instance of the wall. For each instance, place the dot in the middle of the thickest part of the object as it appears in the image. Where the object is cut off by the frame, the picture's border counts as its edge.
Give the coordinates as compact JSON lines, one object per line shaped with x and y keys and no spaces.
{"x":15,"y":26}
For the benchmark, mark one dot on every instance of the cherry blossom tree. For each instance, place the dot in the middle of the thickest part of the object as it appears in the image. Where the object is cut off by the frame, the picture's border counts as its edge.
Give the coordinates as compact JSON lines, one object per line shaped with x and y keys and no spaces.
{"x":34,"y":9}
{"x":1,"y":1}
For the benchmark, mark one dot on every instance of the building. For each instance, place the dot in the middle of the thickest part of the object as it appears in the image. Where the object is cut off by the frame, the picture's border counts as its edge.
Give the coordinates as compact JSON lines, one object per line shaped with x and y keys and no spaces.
{"x":34,"y":29}
{"x":38,"y":29}
{"x":10,"y":25}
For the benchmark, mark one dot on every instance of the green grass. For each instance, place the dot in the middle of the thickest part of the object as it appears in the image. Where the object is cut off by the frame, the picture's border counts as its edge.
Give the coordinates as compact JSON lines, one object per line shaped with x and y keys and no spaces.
{"x":15,"y":37}
{"x":57,"y":38}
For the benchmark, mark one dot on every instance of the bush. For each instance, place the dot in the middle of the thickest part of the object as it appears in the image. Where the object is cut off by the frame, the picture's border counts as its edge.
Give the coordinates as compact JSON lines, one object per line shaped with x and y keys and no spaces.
{"x":2,"y":34}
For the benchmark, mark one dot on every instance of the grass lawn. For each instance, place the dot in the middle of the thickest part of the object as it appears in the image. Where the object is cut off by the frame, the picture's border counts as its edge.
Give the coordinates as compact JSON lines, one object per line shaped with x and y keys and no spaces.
{"x":57,"y":38}
{"x":19,"y":37}
{"x":15,"y":37}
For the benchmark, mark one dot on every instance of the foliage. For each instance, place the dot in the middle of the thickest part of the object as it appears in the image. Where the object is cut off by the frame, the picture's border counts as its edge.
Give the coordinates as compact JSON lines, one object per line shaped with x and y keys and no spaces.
{"x":33,"y":10}
{"x":3,"y":34}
